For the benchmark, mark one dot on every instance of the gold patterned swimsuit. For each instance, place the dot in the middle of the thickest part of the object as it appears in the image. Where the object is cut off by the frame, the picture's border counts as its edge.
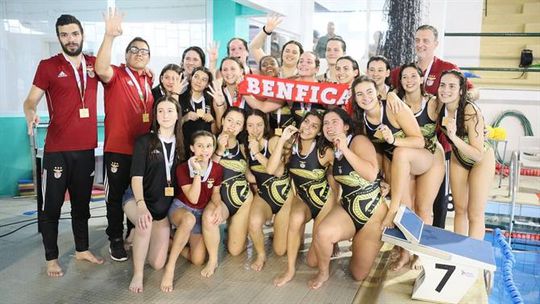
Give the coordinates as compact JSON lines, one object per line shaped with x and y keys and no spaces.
{"x":272,"y":189}
{"x":360,"y":197}
{"x":309,"y":177}
{"x":427,"y":126}
{"x":234,"y":187}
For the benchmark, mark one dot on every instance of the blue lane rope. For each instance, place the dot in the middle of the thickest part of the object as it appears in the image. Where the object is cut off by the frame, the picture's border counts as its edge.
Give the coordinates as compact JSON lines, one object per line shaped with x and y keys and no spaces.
{"x":508,"y":264}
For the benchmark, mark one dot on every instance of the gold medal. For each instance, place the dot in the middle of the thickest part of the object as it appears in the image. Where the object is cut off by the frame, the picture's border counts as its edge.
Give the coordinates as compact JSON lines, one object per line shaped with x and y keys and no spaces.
{"x":84,"y":113}
{"x":169,"y":191}
{"x":446,"y":121}
{"x":146,"y":117}
{"x":378,"y":134}
{"x":278,"y":131}
{"x":200,"y":112}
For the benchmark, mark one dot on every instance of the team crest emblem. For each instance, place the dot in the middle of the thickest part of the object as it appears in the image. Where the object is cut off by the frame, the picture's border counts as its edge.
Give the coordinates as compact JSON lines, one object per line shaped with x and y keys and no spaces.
{"x":210,"y":183}
{"x":114,"y":167}
{"x":431,"y":80}
{"x":90,"y":71}
{"x":58,"y":172}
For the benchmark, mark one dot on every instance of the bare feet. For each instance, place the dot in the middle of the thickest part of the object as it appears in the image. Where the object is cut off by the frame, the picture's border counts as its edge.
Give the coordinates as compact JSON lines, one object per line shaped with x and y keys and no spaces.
{"x":167,"y":280}
{"x":136,"y":284}
{"x":416,"y":264}
{"x":395,"y":253}
{"x":404,"y":259}
{"x":284,"y":278}
{"x":318,"y":280}
{"x":53,"y":269}
{"x":259,"y":262}
{"x":88,"y":256}
{"x":209,"y":269}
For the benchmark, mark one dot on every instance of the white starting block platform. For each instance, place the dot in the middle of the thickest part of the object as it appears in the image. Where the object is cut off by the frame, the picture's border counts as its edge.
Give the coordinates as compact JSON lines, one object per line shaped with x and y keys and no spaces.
{"x":451,"y":262}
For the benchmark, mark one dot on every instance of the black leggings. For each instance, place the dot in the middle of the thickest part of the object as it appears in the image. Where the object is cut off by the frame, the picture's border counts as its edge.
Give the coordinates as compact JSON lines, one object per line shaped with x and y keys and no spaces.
{"x":72,"y":171}
{"x":117,"y":179}
{"x":440,"y":205}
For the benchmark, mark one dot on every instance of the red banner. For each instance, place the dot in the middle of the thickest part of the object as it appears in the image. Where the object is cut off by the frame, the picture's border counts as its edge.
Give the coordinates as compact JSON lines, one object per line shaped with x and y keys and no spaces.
{"x":292,"y":90}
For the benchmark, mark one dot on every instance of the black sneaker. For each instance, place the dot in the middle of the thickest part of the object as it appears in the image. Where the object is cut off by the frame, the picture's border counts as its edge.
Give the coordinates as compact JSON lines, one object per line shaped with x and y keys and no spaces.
{"x":117,"y":251}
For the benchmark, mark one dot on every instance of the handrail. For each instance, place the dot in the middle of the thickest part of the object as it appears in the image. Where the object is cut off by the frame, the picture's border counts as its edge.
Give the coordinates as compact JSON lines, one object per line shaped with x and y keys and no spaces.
{"x":499,"y":34}
{"x":513,"y":188}
{"x":496,"y":69}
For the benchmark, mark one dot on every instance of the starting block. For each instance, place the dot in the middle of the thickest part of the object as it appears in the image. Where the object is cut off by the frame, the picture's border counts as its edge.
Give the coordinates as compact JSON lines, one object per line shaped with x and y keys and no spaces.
{"x":451,"y":262}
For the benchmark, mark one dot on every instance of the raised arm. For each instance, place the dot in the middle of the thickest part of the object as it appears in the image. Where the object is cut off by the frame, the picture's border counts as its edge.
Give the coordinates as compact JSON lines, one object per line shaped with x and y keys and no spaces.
{"x":407,"y":122}
{"x":193,"y":190}
{"x":362,"y":156}
{"x":113,"y":29}
{"x":257,"y":43}
{"x":474,"y":123}
{"x":265,"y":106}
{"x":274,"y":162}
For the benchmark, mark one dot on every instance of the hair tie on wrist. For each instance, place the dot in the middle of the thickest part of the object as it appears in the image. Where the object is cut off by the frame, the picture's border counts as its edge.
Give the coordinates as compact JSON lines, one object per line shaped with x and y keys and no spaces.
{"x":264,"y":30}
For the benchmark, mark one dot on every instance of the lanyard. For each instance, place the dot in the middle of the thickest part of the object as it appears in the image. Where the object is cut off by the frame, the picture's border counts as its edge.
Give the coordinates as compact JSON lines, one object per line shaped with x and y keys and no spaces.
{"x":206,"y":173}
{"x":278,"y":117}
{"x":423,"y":107}
{"x":236,"y":100}
{"x":366,"y":121}
{"x":428,"y":70}
{"x":263,"y":153}
{"x":142,"y":97}
{"x":82,"y":87}
{"x":202,"y":99}
{"x":296,"y":150}
{"x":168,"y":159}
{"x":446,"y":113}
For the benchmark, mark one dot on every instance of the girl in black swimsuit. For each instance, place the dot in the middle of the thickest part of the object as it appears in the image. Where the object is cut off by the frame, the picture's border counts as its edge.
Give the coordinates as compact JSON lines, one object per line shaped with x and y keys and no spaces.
{"x":362,"y":208}
{"x":236,"y":196}
{"x":307,"y":164}
{"x":273,"y":195}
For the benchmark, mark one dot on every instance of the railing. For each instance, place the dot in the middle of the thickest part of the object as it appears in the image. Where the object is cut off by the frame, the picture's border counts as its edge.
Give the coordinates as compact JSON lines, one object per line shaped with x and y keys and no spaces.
{"x":499,"y":34}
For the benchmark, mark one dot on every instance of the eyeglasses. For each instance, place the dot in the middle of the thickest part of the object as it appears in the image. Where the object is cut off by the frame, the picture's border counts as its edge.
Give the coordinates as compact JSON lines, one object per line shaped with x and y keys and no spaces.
{"x":136,"y":50}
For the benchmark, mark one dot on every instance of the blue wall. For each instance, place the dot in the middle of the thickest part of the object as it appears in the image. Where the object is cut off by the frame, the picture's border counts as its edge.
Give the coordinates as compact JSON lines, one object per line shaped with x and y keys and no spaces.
{"x":15,"y":152}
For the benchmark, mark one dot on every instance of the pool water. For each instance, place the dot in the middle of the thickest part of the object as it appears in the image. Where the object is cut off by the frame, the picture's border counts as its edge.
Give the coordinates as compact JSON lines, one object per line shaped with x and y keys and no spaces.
{"x":526,"y":271}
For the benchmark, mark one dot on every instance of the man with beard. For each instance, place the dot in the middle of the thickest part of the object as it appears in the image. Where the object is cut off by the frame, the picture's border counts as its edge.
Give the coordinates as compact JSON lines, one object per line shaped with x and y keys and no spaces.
{"x":68,"y":161}
{"x":128,"y":108}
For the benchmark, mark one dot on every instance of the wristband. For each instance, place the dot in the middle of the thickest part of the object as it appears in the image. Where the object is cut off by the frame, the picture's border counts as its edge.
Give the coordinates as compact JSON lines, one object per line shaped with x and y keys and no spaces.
{"x":264,"y":30}
{"x":217,"y":154}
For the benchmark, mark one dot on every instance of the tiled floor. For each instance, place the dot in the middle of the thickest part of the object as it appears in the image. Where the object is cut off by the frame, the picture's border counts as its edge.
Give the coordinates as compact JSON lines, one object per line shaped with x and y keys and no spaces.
{"x":23,"y":278}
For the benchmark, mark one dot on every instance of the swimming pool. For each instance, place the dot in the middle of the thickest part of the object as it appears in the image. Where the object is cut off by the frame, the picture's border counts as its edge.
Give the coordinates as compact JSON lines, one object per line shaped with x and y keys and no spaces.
{"x":526,"y":271}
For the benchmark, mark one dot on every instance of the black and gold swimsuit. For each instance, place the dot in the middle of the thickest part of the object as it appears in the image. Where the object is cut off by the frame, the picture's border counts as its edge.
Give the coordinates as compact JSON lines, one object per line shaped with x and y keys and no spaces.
{"x":465,"y":161}
{"x":281,"y":117}
{"x":234,"y":187}
{"x":272,"y":189}
{"x":381,"y":146}
{"x":309,"y":178}
{"x":427,"y":126}
{"x":360,"y":197}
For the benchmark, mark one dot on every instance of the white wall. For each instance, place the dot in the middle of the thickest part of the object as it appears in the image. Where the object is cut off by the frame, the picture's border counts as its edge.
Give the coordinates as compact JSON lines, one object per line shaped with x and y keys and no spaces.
{"x":27,"y":35}
{"x":452,"y":16}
